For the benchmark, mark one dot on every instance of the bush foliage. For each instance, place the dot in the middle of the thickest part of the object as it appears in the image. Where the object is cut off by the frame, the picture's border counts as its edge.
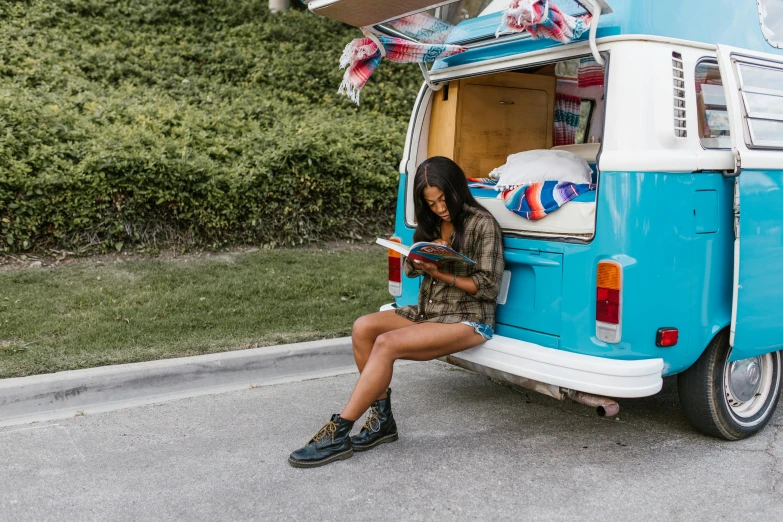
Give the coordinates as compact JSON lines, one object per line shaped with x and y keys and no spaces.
{"x":138,"y":122}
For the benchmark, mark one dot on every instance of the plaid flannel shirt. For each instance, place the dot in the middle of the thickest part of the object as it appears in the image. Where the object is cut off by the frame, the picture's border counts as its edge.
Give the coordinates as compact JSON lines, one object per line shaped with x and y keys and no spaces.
{"x":441,"y":303}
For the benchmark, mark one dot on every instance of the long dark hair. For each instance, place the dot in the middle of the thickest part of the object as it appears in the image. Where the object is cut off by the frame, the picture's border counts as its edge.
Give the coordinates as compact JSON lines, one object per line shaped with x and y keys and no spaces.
{"x":443,"y":173}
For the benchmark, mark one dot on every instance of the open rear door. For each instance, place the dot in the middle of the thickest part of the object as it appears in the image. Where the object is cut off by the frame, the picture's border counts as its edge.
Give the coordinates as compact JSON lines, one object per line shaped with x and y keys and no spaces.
{"x":364,"y":13}
{"x":453,"y":22}
{"x":754,"y":94}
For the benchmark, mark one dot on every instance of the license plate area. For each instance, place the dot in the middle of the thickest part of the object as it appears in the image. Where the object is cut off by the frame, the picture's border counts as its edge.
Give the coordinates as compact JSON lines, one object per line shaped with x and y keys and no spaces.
{"x":531,"y":292}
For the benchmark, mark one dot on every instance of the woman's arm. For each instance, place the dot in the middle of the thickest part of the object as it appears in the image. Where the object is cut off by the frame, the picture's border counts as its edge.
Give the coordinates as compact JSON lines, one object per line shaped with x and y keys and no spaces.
{"x":487,"y":252}
{"x":463,"y":283}
{"x":488,"y":255}
{"x":466,"y":284}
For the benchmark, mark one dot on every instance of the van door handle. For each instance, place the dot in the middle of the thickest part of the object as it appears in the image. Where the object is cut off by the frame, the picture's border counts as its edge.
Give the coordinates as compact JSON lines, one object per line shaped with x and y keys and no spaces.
{"x":523,"y":258}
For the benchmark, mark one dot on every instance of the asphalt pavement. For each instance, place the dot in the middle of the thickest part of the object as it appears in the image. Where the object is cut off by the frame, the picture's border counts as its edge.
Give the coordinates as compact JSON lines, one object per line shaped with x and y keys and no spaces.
{"x":469,"y":449}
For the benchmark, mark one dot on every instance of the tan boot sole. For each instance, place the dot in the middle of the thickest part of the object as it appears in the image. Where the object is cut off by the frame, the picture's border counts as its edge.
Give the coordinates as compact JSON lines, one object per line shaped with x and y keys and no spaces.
{"x":382,"y":440}
{"x":347,"y":454}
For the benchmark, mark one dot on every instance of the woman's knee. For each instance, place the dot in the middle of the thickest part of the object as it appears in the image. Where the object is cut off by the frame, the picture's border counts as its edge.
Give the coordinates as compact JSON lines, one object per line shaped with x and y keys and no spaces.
{"x":386,"y":347}
{"x":361,"y":327}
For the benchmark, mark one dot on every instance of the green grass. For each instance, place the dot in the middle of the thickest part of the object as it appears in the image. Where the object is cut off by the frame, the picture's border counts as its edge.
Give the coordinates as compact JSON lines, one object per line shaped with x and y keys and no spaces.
{"x":93,"y":314}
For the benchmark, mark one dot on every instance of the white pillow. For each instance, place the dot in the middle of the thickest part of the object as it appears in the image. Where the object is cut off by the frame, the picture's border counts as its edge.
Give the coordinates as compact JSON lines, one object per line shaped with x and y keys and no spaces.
{"x":531,"y":166}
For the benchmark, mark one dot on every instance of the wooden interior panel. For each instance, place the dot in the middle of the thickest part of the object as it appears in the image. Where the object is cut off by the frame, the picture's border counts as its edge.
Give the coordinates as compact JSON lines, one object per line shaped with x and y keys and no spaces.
{"x":498,"y":121}
{"x":502,"y":114}
{"x":481,"y":121}
{"x":518,"y":80}
{"x":443,"y":122}
{"x":547,"y":70}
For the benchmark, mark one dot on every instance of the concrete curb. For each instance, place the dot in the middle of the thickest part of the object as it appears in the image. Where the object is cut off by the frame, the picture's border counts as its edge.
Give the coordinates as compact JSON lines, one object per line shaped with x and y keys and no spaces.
{"x":65,"y":394}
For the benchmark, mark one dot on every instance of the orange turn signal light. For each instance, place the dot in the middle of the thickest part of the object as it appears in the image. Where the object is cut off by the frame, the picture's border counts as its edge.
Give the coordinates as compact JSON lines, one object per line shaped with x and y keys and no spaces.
{"x":608,"y":276}
{"x":394,"y":253}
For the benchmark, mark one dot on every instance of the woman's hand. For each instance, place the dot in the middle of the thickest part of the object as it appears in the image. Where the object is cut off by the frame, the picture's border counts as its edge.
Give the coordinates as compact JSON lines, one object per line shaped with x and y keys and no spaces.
{"x":442,"y":242}
{"x":430,"y":268}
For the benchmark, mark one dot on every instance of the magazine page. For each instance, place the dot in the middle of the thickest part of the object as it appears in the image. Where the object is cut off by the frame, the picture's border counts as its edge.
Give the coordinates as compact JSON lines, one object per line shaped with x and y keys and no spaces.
{"x":397,"y":247}
{"x":438,"y":253}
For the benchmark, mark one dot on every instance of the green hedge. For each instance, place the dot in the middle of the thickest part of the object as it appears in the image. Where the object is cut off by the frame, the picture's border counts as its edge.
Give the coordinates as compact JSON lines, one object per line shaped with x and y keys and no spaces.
{"x":143,"y":122}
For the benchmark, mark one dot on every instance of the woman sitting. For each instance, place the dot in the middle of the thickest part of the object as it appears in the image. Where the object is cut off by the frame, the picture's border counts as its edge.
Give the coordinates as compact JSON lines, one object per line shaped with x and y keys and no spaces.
{"x":455,"y":311}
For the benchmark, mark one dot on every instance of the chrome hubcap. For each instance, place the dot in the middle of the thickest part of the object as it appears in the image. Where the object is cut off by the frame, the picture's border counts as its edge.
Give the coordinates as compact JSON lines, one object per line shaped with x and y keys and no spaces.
{"x":745,"y":378}
{"x":747,"y":385}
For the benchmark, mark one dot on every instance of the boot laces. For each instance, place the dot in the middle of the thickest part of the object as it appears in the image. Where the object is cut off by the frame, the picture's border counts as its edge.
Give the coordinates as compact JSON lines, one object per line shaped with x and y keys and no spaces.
{"x":373,"y":422}
{"x":325,"y":433}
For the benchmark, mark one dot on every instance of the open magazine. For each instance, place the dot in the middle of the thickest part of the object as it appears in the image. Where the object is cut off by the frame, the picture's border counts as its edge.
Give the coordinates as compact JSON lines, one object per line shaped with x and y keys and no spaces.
{"x":424,"y":251}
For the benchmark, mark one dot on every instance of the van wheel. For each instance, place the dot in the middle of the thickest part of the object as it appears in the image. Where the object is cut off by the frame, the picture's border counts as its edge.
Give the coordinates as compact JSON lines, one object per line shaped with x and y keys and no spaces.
{"x":730,"y":400}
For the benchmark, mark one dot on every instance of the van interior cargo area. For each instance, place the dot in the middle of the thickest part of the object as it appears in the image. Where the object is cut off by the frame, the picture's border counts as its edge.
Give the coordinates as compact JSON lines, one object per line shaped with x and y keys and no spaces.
{"x":478,"y":122}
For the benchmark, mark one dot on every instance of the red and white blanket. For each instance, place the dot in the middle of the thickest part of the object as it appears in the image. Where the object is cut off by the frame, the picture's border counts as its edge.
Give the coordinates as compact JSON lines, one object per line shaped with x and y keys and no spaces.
{"x":362,"y":56}
{"x":542,"y":19}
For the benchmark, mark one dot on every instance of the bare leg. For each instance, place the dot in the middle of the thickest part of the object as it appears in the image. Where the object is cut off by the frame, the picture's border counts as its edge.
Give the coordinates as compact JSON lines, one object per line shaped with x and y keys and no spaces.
{"x":420,"y":342}
{"x":366,"y":330}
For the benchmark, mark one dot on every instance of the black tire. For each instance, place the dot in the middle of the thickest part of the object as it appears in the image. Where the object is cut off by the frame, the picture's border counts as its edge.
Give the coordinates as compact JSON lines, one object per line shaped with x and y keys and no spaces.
{"x":707,"y":401}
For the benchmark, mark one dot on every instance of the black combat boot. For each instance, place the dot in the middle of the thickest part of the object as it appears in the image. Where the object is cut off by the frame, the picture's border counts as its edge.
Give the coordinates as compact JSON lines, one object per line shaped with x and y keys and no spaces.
{"x":332,"y":442}
{"x":379,"y":428}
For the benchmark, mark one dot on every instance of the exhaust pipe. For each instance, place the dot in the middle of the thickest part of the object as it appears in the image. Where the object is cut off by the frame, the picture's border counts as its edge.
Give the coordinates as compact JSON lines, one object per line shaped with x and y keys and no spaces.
{"x":604,"y":406}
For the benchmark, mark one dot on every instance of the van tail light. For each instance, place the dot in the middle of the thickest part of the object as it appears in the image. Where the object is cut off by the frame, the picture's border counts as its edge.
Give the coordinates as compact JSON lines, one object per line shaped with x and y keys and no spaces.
{"x":395,"y":270}
{"x":608,"y":302}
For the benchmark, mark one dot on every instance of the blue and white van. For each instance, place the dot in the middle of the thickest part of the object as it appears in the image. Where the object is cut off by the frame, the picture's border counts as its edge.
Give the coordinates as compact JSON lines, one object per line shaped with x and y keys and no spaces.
{"x":674,"y":265}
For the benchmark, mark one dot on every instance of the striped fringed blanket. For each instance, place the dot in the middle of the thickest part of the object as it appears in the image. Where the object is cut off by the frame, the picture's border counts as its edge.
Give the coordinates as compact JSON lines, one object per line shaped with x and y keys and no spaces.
{"x":567,"y":115}
{"x":542,"y":19}
{"x":589,"y":73}
{"x":361,"y":57}
{"x":536,"y":200}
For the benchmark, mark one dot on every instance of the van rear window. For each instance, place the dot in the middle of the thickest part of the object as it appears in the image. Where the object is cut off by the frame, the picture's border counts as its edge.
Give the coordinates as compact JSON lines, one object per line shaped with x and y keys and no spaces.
{"x":711,"y":107}
{"x":435,"y":25}
{"x":453,"y":22}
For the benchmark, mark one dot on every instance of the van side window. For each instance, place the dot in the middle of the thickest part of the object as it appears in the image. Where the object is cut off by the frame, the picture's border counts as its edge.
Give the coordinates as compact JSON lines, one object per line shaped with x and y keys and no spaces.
{"x":762,"y":98}
{"x":711,"y":107}
{"x":585,"y":115}
{"x":771,"y":16}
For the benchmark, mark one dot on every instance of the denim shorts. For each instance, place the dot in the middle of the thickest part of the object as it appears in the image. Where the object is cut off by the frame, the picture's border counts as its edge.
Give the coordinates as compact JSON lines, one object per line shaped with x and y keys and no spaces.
{"x":484,"y":330}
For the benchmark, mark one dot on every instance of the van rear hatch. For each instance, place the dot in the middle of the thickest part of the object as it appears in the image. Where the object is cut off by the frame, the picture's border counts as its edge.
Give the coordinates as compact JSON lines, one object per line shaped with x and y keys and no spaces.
{"x":470,"y":23}
{"x":534,"y":279}
{"x":366,"y":13}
